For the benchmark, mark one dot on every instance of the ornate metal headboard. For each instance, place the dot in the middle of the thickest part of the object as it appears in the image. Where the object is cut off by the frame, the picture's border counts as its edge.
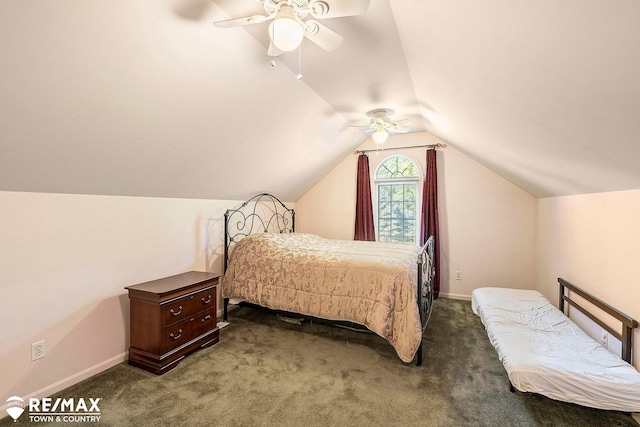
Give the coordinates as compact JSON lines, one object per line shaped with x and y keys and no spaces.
{"x":426,"y":273}
{"x":263,"y":213}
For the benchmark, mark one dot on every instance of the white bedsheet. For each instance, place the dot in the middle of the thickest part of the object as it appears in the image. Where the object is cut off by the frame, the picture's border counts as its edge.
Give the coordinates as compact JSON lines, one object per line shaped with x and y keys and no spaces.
{"x":544,"y":352}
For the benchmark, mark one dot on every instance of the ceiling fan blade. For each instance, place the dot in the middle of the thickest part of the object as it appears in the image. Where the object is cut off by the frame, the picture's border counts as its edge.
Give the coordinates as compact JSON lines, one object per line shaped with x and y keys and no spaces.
{"x":274,"y":51}
{"x":322,"y":36}
{"x":400,"y":129}
{"x":239,"y":22}
{"x":336,"y":8}
{"x":366,"y":129}
{"x":361,"y":123}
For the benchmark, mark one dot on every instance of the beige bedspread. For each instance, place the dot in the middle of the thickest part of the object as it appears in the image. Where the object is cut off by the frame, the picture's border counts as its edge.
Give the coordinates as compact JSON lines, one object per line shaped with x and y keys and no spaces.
{"x":373,"y":284}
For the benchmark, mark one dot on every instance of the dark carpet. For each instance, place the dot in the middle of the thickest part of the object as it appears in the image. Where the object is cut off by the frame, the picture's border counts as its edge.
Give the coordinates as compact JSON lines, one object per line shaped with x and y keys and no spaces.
{"x":266,"y":372}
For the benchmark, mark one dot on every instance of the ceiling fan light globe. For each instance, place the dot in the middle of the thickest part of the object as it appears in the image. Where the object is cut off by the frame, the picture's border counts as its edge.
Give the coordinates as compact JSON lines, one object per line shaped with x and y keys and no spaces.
{"x":380,"y":136}
{"x":286,"y":33}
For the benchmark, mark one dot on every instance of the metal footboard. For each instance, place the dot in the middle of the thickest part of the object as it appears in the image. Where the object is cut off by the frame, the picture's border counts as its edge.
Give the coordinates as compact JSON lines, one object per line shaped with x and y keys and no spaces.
{"x":426,"y":273}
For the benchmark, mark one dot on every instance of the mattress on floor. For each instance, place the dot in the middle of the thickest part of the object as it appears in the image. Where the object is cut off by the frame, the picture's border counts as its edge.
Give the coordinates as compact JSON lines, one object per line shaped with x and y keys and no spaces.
{"x":544,"y":352}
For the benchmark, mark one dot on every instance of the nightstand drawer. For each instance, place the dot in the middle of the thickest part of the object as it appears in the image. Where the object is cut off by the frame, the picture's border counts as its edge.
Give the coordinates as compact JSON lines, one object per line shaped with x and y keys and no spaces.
{"x":188,"y":329}
{"x":189,"y":305}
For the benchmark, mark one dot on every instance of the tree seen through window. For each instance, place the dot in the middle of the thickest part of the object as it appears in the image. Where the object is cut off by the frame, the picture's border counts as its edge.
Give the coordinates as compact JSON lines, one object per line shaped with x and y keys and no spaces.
{"x":397,"y":189}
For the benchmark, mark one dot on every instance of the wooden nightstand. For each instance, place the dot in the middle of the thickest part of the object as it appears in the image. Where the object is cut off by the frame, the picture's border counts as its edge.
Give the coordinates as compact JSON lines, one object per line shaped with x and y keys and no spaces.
{"x":172,"y":317}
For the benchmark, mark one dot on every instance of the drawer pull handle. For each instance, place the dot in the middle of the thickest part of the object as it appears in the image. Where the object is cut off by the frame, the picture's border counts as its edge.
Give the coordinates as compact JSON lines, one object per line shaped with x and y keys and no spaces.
{"x":175,"y":313}
{"x":176,"y":336}
{"x":207,"y":317}
{"x":206,"y":301}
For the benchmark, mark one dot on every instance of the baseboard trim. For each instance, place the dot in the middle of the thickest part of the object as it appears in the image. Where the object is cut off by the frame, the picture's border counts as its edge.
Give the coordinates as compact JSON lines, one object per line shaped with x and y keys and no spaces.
{"x":455,"y":296}
{"x":70,"y":380}
{"x":636,"y":416}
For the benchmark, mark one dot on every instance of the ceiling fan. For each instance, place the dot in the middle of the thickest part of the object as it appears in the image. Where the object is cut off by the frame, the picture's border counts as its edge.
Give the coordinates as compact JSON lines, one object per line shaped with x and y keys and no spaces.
{"x":289,"y":25}
{"x":381,"y":125}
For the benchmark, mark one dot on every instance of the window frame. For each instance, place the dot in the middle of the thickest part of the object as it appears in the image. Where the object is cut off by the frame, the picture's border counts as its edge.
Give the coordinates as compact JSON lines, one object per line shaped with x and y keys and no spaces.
{"x":378,"y":182}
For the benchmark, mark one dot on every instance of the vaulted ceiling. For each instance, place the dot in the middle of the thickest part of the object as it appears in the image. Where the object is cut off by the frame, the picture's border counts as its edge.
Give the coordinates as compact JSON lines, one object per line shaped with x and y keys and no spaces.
{"x":148,"y":98}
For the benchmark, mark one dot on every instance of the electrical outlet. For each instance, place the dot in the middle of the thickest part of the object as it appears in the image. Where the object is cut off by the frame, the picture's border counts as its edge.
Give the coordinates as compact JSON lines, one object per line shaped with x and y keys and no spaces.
{"x":37,"y":350}
{"x":458,"y":275}
{"x":604,"y":339}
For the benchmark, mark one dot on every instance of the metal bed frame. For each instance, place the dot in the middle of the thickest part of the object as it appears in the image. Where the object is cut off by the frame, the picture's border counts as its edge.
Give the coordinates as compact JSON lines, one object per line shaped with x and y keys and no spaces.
{"x":627,"y":324}
{"x":265,"y":213}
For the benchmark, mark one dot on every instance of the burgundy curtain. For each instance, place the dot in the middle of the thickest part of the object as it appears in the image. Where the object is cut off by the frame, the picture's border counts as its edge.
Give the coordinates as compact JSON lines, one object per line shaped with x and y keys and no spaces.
{"x":364,"y":209}
{"x":430,"y":224}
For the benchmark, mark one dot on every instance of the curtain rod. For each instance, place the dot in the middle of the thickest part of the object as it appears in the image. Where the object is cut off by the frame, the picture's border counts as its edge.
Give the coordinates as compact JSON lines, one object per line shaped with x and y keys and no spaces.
{"x":437,"y":145}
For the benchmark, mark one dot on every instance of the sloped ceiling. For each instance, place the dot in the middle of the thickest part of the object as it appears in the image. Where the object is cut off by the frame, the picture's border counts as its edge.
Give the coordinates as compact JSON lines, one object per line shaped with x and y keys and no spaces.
{"x":148,"y":98}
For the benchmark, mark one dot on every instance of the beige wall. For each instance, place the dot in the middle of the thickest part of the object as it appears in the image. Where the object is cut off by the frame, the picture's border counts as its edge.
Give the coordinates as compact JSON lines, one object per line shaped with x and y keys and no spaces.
{"x":65,"y":262}
{"x":488,"y":225}
{"x":593,"y":241}
{"x":67,"y":258}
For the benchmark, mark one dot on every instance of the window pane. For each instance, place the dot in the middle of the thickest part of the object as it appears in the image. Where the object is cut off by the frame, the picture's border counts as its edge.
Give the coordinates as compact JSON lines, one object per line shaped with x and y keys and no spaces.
{"x":397,"y":167}
{"x":409,"y":192}
{"x":397,"y":229}
{"x":410,"y":210}
{"x":396,"y":192}
{"x":384,"y":192}
{"x":410,"y":231}
{"x":383,"y":172}
{"x":397,"y":203}
{"x":385,"y":210}
{"x":409,"y":169}
{"x":384,"y":228}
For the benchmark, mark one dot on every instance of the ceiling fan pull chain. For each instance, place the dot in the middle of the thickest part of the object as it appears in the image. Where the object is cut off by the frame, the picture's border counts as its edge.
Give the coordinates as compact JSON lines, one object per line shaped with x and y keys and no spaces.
{"x":299,"y":76}
{"x":271,"y":52}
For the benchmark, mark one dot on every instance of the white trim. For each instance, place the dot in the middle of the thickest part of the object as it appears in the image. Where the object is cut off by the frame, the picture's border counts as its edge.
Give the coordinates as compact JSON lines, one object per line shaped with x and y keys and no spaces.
{"x":455,"y":296}
{"x":71,"y":380}
{"x":78,"y":377}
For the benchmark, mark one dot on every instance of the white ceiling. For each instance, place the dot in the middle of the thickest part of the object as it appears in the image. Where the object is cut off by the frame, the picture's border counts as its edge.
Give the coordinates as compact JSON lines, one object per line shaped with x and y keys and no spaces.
{"x":148,"y":98}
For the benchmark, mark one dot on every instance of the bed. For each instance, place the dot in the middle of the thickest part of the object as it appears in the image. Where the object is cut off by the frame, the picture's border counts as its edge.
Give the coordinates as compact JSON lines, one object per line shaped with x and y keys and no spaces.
{"x":545,"y":352}
{"x":385,"y":288}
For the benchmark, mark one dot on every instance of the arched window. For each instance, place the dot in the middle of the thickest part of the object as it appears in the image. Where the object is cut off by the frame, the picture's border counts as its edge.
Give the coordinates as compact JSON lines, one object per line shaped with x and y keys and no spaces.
{"x":397,"y":200}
